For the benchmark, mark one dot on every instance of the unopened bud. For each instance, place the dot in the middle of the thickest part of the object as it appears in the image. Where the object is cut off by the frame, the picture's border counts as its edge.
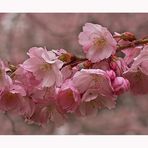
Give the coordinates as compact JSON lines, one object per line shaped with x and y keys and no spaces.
{"x":111,"y":74}
{"x":128,"y":36}
{"x":120,"y":85}
{"x":66,"y":57}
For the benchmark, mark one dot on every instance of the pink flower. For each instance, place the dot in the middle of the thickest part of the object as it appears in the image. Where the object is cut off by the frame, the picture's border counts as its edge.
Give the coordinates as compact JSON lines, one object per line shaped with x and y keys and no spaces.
{"x":68,"y":97}
{"x":41,"y":114}
{"x":11,"y":91}
{"x":40,"y":107}
{"x":130,"y":54}
{"x":95,"y":88}
{"x":118,"y":65}
{"x":138,"y":81}
{"x":63,"y":55}
{"x":45,"y":111}
{"x":92,"y":101}
{"x":45,"y":66}
{"x":66,"y":72}
{"x":141,"y":61}
{"x":97,"y":42}
{"x":60,"y":52}
{"x":100,"y":99}
{"x":9,"y":101}
{"x":120,"y":85}
{"x":27,"y":79}
{"x":26,"y":107}
{"x":104,"y":65}
{"x":94,"y":79}
{"x":138,"y":73}
{"x":16,"y":88}
{"x":10,"y":98}
{"x":111,"y":74}
{"x":48,"y":93}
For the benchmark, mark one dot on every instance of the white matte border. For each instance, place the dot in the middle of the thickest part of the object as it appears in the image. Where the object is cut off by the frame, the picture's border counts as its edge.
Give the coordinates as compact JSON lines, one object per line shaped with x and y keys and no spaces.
{"x":73,"y":6}
{"x":73,"y":141}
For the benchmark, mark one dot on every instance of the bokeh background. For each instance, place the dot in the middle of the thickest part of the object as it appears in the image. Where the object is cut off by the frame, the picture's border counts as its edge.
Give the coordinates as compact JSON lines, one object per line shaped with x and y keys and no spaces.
{"x":19,"y":32}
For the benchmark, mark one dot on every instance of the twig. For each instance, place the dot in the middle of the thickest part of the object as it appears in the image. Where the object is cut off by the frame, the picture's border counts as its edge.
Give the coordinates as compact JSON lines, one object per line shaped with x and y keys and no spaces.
{"x":12,"y":123}
{"x":133,"y":44}
{"x":119,"y":48}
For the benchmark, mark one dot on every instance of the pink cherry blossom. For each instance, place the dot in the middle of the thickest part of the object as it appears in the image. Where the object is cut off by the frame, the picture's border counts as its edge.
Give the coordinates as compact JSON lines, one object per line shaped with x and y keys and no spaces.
{"x":41,"y":114}
{"x":138,"y":81}
{"x":45,"y":111}
{"x":141,"y":61}
{"x":118,"y":65}
{"x":104,"y":65}
{"x":111,"y":74}
{"x":102,"y":100}
{"x":93,"y":78}
{"x":95,"y":86}
{"x":120,"y":85}
{"x":138,"y":73}
{"x":131,"y":53}
{"x":45,"y":66}
{"x":11,"y":91}
{"x":26,"y":107}
{"x":66,"y":72}
{"x":60,"y":52}
{"x":10,"y":98}
{"x":97,"y":42}
{"x":27,"y":80}
{"x":68,"y":97}
{"x":9,"y":101}
{"x":93,"y":101}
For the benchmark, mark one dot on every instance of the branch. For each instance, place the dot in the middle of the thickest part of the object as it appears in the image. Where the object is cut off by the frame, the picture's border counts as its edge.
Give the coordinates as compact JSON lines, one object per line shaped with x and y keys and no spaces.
{"x":12,"y":123}
{"x":133,"y":44}
{"x":75,"y":61}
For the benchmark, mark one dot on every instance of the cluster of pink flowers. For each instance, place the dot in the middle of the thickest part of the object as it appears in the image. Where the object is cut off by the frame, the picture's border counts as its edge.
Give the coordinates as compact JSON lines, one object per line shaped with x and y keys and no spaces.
{"x":51,"y":85}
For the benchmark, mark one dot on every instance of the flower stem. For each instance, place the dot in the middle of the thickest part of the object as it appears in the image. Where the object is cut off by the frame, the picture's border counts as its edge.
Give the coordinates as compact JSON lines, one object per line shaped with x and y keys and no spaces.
{"x":133,"y":44}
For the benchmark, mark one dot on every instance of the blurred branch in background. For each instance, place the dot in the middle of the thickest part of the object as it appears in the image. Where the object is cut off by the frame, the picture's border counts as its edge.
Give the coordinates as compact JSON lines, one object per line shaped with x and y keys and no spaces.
{"x":11,"y":122}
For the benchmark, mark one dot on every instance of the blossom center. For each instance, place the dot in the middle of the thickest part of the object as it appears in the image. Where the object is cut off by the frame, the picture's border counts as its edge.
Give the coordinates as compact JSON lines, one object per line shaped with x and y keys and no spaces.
{"x":45,"y":67}
{"x":95,"y":78}
{"x":69,"y":94}
{"x":99,"y":43}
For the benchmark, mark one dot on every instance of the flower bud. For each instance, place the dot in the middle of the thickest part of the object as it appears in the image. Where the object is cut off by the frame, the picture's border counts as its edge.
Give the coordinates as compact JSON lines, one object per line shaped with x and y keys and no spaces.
{"x":120,"y":85}
{"x":119,"y":66}
{"x":128,"y":36}
{"x":111,"y":74}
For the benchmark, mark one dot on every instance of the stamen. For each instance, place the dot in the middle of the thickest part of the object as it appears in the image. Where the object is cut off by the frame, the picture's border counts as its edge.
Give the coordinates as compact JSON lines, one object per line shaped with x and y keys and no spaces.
{"x":45,"y":67}
{"x":99,"y":42}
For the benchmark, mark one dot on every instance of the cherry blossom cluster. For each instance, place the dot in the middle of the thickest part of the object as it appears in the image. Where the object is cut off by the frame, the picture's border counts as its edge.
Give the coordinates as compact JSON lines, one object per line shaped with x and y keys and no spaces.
{"x":53,"y":84}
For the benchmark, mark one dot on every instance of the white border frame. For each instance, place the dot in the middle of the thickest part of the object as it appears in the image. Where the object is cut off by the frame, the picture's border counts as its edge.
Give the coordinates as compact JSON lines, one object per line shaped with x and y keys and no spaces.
{"x":74,"y":6}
